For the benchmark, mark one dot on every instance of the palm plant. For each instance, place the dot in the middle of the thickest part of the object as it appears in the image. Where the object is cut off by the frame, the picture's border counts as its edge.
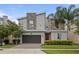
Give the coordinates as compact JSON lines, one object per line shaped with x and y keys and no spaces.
{"x":59,"y":19}
{"x":51,"y":19}
{"x":70,"y":14}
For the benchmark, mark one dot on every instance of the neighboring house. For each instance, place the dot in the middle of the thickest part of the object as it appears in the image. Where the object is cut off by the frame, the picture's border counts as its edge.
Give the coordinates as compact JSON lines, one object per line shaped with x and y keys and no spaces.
{"x":36,"y":29}
{"x":72,"y":35}
{"x":3,"y":20}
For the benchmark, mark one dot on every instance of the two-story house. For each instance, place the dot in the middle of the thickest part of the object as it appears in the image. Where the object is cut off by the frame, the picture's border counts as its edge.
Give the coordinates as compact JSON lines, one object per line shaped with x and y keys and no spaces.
{"x":36,"y":29}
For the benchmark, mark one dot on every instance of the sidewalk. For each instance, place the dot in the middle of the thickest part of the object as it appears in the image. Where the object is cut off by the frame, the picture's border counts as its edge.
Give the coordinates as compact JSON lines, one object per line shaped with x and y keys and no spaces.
{"x":22,"y":51}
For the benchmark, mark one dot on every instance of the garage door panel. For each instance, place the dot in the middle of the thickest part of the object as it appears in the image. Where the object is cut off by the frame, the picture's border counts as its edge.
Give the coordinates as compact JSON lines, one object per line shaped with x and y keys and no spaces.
{"x":31,"y":39}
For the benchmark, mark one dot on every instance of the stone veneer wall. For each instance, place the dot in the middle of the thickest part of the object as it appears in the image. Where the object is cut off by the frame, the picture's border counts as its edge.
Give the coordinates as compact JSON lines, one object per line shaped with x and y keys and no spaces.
{"x":31,"y":16}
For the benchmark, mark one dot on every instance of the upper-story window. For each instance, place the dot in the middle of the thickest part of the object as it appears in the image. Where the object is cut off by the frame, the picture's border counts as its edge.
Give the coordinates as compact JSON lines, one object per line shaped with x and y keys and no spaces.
{"x":31,"y":24}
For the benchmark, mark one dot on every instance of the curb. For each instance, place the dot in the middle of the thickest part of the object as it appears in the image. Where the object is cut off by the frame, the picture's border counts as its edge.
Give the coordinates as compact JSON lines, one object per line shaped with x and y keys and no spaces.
{"x":1,"y":49}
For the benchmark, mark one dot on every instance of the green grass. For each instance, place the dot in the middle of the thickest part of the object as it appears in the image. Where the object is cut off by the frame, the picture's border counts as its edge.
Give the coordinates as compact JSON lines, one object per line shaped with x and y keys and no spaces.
{"x":7,"y":46}
{"x":61,"y":51}
{"x":60,"y":46}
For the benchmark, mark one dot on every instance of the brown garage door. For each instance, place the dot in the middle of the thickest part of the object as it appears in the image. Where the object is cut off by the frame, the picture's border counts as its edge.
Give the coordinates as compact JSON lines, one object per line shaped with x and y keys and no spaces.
{"x":31,"y":38}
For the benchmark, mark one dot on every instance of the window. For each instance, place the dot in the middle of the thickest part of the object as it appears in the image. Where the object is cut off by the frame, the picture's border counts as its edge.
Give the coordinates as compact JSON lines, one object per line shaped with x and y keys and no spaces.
{"x":31,"y":24}
{"x":59,"y":35}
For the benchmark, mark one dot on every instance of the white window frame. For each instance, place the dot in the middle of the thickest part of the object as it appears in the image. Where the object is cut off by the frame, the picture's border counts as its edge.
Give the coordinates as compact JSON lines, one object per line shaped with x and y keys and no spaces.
{"x":31,"y":22}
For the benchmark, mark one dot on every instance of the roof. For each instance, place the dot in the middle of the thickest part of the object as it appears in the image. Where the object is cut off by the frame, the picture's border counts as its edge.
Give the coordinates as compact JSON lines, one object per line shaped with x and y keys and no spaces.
{"x":41,"y":13}
{"x":22,"y":18}
{"x":31,"y":12}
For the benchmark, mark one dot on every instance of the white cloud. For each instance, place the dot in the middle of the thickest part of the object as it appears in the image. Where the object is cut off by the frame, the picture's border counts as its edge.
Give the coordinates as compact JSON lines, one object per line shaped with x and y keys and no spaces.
{"x":2,"y":13}
{"x":10,"y":17}
{"x":13,"y":19}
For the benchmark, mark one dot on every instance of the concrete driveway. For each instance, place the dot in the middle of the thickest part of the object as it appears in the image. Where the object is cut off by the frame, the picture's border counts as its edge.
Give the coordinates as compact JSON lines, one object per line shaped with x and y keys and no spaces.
{"x":29,"y":46}
{"x":24,"y":49}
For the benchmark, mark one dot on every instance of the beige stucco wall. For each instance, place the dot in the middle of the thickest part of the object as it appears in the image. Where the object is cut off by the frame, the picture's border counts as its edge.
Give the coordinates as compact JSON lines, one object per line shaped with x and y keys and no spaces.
{"x":73,"y":36}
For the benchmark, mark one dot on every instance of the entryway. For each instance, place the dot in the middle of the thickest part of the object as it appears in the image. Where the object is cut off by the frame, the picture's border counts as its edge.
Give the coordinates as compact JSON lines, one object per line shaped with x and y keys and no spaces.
{"x":47,"y":36}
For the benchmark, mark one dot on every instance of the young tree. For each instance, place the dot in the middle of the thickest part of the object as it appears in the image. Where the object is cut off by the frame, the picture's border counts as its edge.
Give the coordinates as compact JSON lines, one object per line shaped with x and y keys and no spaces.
{"x":10,"y":29}
{"x":16,"y":31}
{"x":1,"y":34}
{"x":59,"y":19}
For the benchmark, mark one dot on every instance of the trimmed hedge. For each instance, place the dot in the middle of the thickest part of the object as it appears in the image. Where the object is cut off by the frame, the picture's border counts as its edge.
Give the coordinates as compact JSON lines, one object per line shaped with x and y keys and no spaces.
{"x":58,"y":42}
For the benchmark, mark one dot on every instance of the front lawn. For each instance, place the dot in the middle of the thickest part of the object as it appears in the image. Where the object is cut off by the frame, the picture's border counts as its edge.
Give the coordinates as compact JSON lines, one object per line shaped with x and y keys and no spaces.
{"x":61,"y":51}
{"x":7,"y":46}
{"x":60,"y":46}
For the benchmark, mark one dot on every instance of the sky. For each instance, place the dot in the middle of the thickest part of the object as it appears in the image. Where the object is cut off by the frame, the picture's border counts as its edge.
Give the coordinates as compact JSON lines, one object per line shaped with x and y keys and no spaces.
{"x":15,"y":11}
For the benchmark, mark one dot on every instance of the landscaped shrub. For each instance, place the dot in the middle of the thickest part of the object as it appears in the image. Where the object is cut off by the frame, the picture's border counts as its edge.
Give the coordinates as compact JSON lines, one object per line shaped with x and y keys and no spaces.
{"x":1,"y":41}
{"x":58,"y":42}
{"x":6,"y":41}
{"x":15,"y":41}
{"x":18,"y":41}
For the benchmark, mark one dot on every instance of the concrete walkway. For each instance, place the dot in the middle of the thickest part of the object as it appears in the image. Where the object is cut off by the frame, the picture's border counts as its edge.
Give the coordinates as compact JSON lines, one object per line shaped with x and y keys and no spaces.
{"x":21,"y":51}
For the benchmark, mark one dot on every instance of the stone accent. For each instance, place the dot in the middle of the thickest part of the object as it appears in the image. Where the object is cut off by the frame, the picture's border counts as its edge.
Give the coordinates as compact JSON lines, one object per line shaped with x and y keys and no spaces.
{"x":31,"y":16}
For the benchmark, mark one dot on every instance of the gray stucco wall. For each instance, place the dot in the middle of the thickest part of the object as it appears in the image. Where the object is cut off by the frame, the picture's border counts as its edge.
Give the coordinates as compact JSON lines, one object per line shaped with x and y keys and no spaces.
{"x":23,"y":24}
{"x":40,"y":22}
{"x":54,"y":34}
